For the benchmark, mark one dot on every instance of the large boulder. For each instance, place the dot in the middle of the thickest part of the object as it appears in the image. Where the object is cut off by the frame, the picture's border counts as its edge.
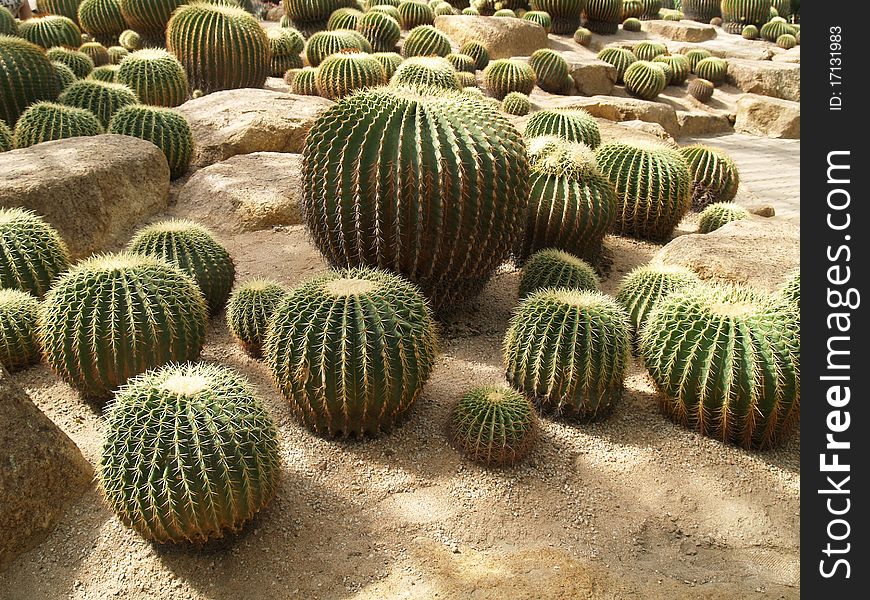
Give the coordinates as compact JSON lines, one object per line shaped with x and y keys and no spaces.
{"x":681,"y":31}
{"x":616,"y":108}
{"x":768,"y":117}
{"x":591,"y":76}
{"x":699,"y":122}
{"x":41,"y":471}
{"x":244,"y":193}
{"x":249,"y":120}
{"x":757,"y":252}
{"x":94,"y":190}
{"x":504,"y":38}
{"x":766,"y":78}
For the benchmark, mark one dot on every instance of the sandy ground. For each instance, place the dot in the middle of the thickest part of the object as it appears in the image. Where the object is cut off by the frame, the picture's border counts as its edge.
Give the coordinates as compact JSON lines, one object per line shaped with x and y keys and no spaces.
{"x":632,"y":507}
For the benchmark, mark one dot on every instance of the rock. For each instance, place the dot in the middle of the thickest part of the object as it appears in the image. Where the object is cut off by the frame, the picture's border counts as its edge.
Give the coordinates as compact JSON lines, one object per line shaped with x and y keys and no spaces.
{"x":591,"y":76}
{"x":757,"y":252}
{"x":698,"y":122}
{"x":767,"y":78}
{"x":682,"y":31}
{"x":249,"y":120}
{"x":615,"y":108}
{"x":788,"y":56}
{"x":634,"y":132}
{"x":244,"y":193}
{"x":768,"y":117}
{"x":275,"y":13}
{"x":504,"y":38}
{"x":93,"y":190}
{"x":653,"y":129}
{"x":41,"y":471}
{"x":276,"y":84}
{"x":728,"y":47}
{"x":762,"y":210}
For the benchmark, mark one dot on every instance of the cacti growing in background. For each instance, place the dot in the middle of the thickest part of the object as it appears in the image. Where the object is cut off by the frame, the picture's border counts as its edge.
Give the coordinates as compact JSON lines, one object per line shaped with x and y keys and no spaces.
{"x":142,"y":313}
{"x":645,"y":79}
{"x":425,"y":40}
{"x":351,"y":350}
{"x":156,"y":76}
{"x":442,"y":8}
{"x":702,"y":10}
{"x":6,"y":136}
{"x":381,"y":30}
{"x":701,"y":89}
{"x":783,"y":8}
{"x":631,"y":9}
{"x":564,"y":13}
{"x":619,"y":58}
{"x":651,"y":9}
{"x":324,"y":43}
{"x":574,"y":125}
{"x":32,"y":253}
{"x":516,"y":103}
{"x":165,"y":128}
{"x":426,"y":71}
{"x":494,"y":425}
{"x":189,"y":454}
{"x":46,"y":121}
{"x":107,"y":73}
{"x":679,"y":66}
{"x":285,"y":47}
{"x":117,"y":54}
{"x":568,"y":352}
{"x":343,"y":18}
{"x":238,"y":59}
{"x":736,"y":14}
{"x":249,"y":311}
{"x":791,"y":291}
{"x":478,"y":52}
{"x":148,"y":18}
{"x":79,"y":63}
{"x":644,"y":286}
{"x":552,"y":71}
{"x":603,"y":16}
{"x":648,"y":50}
{"x":413,"y":14}
{"x":19,"y":312}
{"x":750,"y":32}
{"x":715,"y":177}
{"x":507,"y":75}
{"x":718,"y":214}
{"x":696,"y":55}
{"x":712,"y":69}
{"x":390,"y":61}
{"x":102,"y":99}
{"x":541,"y":18}
{"x":51,"y":31}
{"x":28,"y":76}
{"x":551,"y":269}
{"x":345,"y":72}
{"x":102,"y":19}
{"x":305,"y":82}
{"x":387,"y":9}
{"x":193,"y":249}
{"x":65,"y":8}
{"x":726,"y":362}
{"x":462,"y":62}
{"x":571,"y":204}
{"x":8,"y":26}
{"x":130,"y":40}
{"x":97,"y":53}
{"x":786,"y":41}
{"x":583,"y":36}
{"x":313,"y":15}
{"x":443,"y":219}
{"x":653,"y":188}
{"x":632,"y":24}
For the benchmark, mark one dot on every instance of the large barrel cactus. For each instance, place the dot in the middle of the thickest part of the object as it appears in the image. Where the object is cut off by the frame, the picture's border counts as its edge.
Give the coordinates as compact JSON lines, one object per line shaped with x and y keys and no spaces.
{"x":149,"y":17}
{"x":156,"y":76}
{"x":552,"y":71}
{"x":51,"y":31}
{"x":501,"y":77}
{"x":431,"y":185}
{"x":516,"y":103}
{"x":64,"y":8}
{"x":603,"y":16}
{"x":114,"y":316}
{"x":573,"y":125}
{"x":390,"y":61}
{"x":102,"y":19}
{"x":46,"y":121}
{"x":351,"y":350}
{"x":285,"y":47}
{"x":620,"y":58}
{"x":702,"y":10}
{"x":715,"y":177}
{"x":345,"y":72}
{"x":165,"y":128}
{"x":65,"y":75}
{"x":344,"y":18}
{"x":32,"y":253}
{"x":189,"y":453}
{"x":679,"y":67}
{"x":312,"y":15}
{"x":736,"y":14}
{"x":651,"y":9}
{"x":8,"y":25}
{"x":477,"y":51}
{"x":27,"y":75}
{"x":101,"y":98}
{"x":19,"y":312}
{"x":221,"y":47}
{"x":565,"y":13}
{"x":414,"y":13}
{"x":96,"y":52}
{"x":249,"y":311}
{"x":653,"y":188}
{"x":727,"y":363}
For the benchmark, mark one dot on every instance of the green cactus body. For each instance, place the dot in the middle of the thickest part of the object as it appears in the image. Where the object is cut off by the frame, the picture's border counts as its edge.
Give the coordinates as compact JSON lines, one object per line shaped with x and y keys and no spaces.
{"x":631,"y":9}
{"x":571,"y":204}
{"x":645,"y":79}
{"x":237,"y":58}
{"x":619,"y":58}
{"x":6,"y":143}
{"x":494,"y":426}
{"x":786,"y":41}
{"x":46,"y":121}
{"x":102,"y":19}
{"x":413,"y":14}
{"x":8,"y":26}
{"x":715,"y":177}
{"x":651,"y":9}
{"x":324,"y":43}
{"x":79,"y":63}
{"x":568,"y":351}
{"x":344,"y":18}
{"x":702,"y":10}
{"x":390,"y":61}
{"x":32,"y":253}
{"x":648,"y":50}
{"x":345,"y":72}
{"x":551,"y":269}
{"x":114,"y":316}
{"x":441,"y":204}
{"x":541,"y":18}
{"x":51,"y":31}
{"x":426,"y":71}
{"x":718,"y":214}
{"x":505,"y":13}
{"x":564,"y":13}
{"x":478,"y":52}
{"x":441,"y":9}
{"x":192,"y":248}
{"x":696,"y":55}
{"x":603,"y":16}
{"x":701,"y":89}
{"x":18,"y":340}
{"x":97,"y":52}
{"x":107,"y":73}
{"x":632,"y":24}
{"x":386,"y":9}
{"x":727,"y":363}
{"x":130,"y":40}
{"x":285,"y":46}
{"x":712,"y":69}
{"x":64,"y":8}
{"x":653,"y":188}
{"x":156,"y":76}
{"x":583,"y":36}
{"x":739,"y":13}
{"x":679,"y":67}
{"x":117,"y":54}
{"x":100,"y":98}
{"x":750,"y":32}
{"x":28,"y":76}
{"x":382,"y":31}
{"x":551,"y":71}
{"x":163,"y":127}
{"x":791,"y":291}
{"x":507,"y":75}
{"x":643,"y":287}
{"x":517,"y":104}
{"x":189,"y":454}
{"x":313,"y":15}
{"x":782,"y":7}
{"x":351,"y":350}
{"x":467,"y":80}
{"x":462,"y":62}
{"x":249,"y":311}
{"x":304,"y":82}
{"x":425,"y":40}
{"x":574,"y":125}
{"x":149,"y":17}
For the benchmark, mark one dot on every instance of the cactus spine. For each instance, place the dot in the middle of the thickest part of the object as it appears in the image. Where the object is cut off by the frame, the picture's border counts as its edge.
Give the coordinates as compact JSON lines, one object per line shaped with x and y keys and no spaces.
{"x":721,"y":213}
{"x":46,"y":121}
{"x":18,"y":315}
{"x":345,"y":72}
{"x":645,"y":80}
{"x":156,"y":76}
{"x":507,"y":75}
{"x":249,"y":311}
{"x":573,"y":125}
{"x":551,"y":269}
{"x":165,"y":128}
{"x":32,"y":253}
{"x":102,"y":99}
{"x":715,"y":177}
{"x":643,"y":287}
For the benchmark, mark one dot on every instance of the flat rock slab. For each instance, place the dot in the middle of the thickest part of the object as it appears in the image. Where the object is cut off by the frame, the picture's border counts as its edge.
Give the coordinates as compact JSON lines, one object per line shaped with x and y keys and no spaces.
{"x":757,"y":252}
{"x":249,"y":120}
{"x":504,"y":38}
{"x":93,"y":190}
{"x":41,"y":471}
{"x":767,"y":78}
{"x":683,"y":31}
{"x":247,"y":192}
{"x":768,"y":117}
{"x":615,"y":108}
{"x":793,"y":55}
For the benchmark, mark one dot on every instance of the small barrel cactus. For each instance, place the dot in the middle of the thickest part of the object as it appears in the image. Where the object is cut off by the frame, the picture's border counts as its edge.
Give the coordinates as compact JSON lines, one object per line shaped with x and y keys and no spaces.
{"x":552,"y":71}
{"x":552,"y":269}
{"x":726,"y":362}
{"x":141,"y":313}
{"x":51,"y":31}
{"x":702,"y":10}
{"x":462,"y":62}
{"x":18,"y":337}
{"x":285,"y":47}
{"x":117,"y":54}
{"x":574,"y":125}
{"x":679,"y":67}
{"x":696,"y":55}
{"x":541,"y":18}
{"x":249,"y":311}
{"x":148,"y":18}
{"x":564,"y":13}
{"x":568,"y":352}
{"x":6,"y":134}
{"x":381,"y":30}
{"x":644,"y":286}
{"x":517,"y":104}
{"x":156,"y":76}
{"x":632,"y":24}
{"x":791,"y":291}
{"x":603,"y":16}
{"x":583,"y":36}
{"x":130,"y":40}
{"x":304,"y":82}
{"x":344,"y":18}
{"x":102,"y":19}
{"x":653,"y":188}
{"x":739,"y":13}
{"x":750,"y":32}
{"x":32,"y":253}
{"x":715,"y":177}
{"x":351,"y":350}
{"x":478,"y":52}
{"x":426,"y":71}
{"x":102,"y":99}
{"x":701,"y":89}
{"x":645,"y":79}
{"x":718,"y":214}
{"x":344,"y":72}
{"x":165,"y":128}
{"x":80,"y":63}
{"x":786,"y":41}
{"x":505,"y":12}
{"x":619,"y":58}
{"x":194,"y":249}
{"x":425,"y":40}
{"x":189,"y":454}
{"x":46,"y":121}
{"x":774,"y":28}
{"x":390,"y":61}
{"x":507,"y":75}
{"x":324,"y":43}
{"x":313,"y":15}
{"x":494,"y":425}
{"x":712,"y":69}
{"x":467,"y":80}
{"x":107,"y":73}
{"x":97,"y":52}
{"x":413,"y":14}
{"x":648,"y":50}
